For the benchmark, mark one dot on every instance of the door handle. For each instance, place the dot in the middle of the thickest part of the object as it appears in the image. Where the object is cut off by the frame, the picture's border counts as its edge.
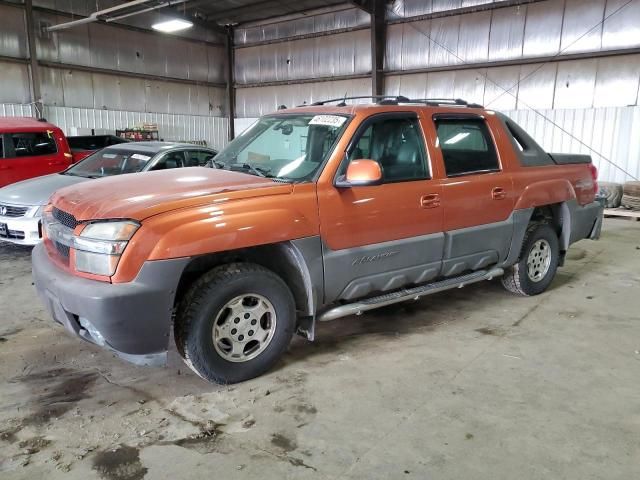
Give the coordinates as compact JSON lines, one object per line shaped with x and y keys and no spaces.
{"x":5,"y":167}
{"x":51,"y":164}
{"x":431,"y":200}
{"x":498,"y":193}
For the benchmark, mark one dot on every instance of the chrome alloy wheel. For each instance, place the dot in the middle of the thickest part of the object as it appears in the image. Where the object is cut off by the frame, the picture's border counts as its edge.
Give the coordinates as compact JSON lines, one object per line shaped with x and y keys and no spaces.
{"x":244,"y":327}
{"x":539,"y":260}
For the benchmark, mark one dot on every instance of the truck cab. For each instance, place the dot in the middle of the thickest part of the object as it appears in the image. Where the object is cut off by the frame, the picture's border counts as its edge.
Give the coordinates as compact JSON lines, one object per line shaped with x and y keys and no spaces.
{"x":31,"y":148}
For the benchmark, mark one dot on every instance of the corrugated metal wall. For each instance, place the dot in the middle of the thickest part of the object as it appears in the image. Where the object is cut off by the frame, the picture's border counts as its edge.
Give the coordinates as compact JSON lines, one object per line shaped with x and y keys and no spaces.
{"x":596,"y":82}
{"x":603,"y":133}
{"x":176,"y":127}
{"x":253,"y":102}
{"x":463,"y":50}
{"x":318,"y":22}
{"x":96,"y":74}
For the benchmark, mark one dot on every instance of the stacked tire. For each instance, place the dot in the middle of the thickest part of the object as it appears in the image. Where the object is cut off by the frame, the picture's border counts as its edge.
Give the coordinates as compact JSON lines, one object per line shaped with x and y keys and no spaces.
{"x":631,"y":196}
{"x":612,"y":192}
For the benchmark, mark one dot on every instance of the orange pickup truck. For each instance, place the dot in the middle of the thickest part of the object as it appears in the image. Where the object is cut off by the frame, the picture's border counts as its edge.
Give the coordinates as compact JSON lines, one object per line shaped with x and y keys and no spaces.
{"x":314,"y":213}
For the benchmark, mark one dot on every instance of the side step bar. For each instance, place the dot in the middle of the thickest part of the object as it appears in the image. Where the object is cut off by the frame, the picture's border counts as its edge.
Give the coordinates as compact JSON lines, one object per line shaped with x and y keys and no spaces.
{"x":403,"y":295}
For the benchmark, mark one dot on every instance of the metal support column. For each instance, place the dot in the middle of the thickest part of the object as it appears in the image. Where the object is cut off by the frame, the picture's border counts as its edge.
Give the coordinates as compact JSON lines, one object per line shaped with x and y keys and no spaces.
{"x":231,"y":91}
{"x":36,"y":96}
{"x":378,"y":46}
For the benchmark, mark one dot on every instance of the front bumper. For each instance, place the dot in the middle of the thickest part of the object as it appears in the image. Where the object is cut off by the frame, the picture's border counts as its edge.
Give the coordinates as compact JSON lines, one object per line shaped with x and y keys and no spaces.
{"x":22,"y":230}
{"x":131,"y":319}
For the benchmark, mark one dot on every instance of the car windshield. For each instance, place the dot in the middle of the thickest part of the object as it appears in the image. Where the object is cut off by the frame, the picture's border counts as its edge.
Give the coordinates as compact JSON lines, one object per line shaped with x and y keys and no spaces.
{"x":107,"y":162}
{"x":288,"y":147}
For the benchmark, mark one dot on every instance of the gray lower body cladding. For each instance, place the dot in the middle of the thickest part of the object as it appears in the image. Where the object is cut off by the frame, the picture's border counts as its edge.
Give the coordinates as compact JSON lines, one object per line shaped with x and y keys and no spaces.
{"x":132,"y":319}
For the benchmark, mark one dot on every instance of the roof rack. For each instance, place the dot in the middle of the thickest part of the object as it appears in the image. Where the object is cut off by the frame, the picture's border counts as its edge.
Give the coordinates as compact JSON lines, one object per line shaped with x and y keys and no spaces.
{"x":396,"y":100}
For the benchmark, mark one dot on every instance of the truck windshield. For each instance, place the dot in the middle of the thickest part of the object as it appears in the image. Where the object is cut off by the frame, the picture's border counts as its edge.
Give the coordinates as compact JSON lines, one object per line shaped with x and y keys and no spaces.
{"x":288,"y":147}
{"x":107,"y":162}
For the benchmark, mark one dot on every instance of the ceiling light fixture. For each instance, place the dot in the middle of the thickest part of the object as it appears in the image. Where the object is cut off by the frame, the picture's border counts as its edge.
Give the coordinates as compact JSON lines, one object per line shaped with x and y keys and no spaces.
{"x":170,"y":26}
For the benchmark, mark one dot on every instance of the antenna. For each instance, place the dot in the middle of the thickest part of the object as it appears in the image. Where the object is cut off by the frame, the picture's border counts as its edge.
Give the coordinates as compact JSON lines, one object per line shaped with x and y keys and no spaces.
{"x":343,"y":103}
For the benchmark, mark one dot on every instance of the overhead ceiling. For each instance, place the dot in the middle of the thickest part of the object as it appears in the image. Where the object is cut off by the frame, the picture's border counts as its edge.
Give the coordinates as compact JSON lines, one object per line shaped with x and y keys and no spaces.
{"x":232,"y":12}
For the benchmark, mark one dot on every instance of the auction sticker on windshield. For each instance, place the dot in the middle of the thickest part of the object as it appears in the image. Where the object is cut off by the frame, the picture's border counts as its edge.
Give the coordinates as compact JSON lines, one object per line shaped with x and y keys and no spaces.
{"x":137,"y":156}
{"x":328,"y":120}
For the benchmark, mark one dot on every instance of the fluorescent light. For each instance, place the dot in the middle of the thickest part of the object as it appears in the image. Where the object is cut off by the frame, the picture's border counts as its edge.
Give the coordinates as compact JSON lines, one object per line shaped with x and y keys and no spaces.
{"x":170,"y":26}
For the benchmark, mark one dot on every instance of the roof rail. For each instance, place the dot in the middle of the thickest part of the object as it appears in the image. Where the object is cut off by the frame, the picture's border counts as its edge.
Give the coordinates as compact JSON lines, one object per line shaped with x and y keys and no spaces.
{"x":396,"y":100}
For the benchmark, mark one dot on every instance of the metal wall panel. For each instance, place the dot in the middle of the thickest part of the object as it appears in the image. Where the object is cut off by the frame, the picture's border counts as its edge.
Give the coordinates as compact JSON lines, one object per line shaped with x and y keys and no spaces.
{"x":444,"y":44}
{"x":617,"y":81}
{"x":408,"y":8}
{"x":623,"y":28}
{"x":213,"y":130}
{"x":75,"y":48}
{"x":102,"y":47}
{"x":78,"y":89}
{"x":104,"y":91}
{"x":340,"y":54}
{"x":132,"y":93}
{"x":16,"y":110}
{"x":109,"y":47}
{"x":470,"y":85}
{"x":73,"y":88}
{"x":579,"y":17}
{"x":253,"y":102}
{"x":537,"y":85}
{"x":14,"y":83}
{"x":311,"y":23}
{"x":607,"y":81}
{"x":575,"y":83}
{"x":444,"y":5}
{"x":507,"y":33}
{"x":543,"y":28}
{"x":143,"y":21}
{"x":604,"y":133}
{"x":473,"y":40}
{"x":51,"y":86}
{"x":501,"y":88}
{"x":13,"y":35}
{"x":216,"y":59}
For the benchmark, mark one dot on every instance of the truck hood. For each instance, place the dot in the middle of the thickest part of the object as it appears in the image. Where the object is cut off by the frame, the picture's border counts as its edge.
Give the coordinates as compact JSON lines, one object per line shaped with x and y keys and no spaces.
{"x":142,"y":195}
{"x":36,"y":191}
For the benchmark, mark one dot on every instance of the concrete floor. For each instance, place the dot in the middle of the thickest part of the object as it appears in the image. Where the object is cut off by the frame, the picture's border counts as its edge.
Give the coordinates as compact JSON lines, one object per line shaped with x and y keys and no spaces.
{"x":474,"y":383}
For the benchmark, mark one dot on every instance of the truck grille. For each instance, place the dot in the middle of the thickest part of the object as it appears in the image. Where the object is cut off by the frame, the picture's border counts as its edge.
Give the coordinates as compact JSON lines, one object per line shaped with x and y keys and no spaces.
{"x":63,"y":250}
{"x":65,"y":218}
{"x":12,"y":211}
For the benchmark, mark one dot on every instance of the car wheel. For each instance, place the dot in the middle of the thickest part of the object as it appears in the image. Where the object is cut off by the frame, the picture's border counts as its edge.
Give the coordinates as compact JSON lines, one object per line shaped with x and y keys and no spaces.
{"x":538,"y":262}
{"x":235,"y":322}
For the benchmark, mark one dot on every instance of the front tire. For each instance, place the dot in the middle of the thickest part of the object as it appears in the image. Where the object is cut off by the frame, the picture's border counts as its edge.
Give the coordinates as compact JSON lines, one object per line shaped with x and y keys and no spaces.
{"x":538,"y":262}
{"x":235,"y":322}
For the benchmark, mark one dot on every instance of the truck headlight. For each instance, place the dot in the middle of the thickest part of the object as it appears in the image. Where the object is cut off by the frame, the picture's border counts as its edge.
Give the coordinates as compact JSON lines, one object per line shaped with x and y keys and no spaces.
{"x":100,"y":244}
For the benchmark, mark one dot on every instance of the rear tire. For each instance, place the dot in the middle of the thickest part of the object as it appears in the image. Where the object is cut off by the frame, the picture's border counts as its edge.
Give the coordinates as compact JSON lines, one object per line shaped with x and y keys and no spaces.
{"x":537,"y":264}
{"x":235,"y":322}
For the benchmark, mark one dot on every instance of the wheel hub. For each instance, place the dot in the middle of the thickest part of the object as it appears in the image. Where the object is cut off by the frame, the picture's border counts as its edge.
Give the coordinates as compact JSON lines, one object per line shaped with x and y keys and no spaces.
{"x":244,"y":327}
{"x":539,"y":260}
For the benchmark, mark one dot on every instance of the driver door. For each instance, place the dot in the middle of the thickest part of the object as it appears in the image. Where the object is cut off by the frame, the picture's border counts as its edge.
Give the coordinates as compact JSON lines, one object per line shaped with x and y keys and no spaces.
{"x":380,"y":238}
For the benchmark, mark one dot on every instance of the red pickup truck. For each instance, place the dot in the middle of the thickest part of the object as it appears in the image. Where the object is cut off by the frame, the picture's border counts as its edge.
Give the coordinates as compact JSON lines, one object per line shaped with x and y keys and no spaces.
{"x":32,"y":148}
{"x":314,"y":213}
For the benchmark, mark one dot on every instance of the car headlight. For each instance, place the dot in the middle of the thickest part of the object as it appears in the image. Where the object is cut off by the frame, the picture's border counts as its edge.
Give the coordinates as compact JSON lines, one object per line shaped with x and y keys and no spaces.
{"x":100,"y":245}
{"x":36,"y":211}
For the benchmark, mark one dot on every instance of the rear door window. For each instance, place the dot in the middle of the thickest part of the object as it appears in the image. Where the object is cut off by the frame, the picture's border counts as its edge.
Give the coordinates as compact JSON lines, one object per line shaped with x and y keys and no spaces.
{"x":33,"y":144}
{"x":170,"y":160}
{"x":198,"y":158}
{"x":467,"y":146}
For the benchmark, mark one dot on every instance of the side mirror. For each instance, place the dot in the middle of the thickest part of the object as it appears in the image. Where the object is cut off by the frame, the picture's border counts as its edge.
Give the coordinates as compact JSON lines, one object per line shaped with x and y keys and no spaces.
{"x":361,"y":173}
